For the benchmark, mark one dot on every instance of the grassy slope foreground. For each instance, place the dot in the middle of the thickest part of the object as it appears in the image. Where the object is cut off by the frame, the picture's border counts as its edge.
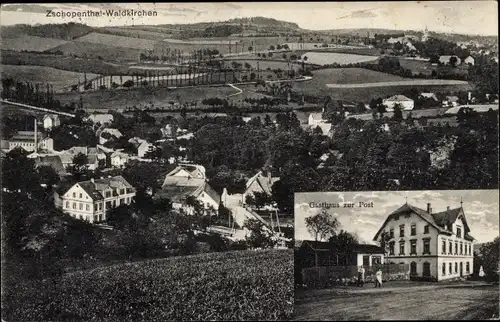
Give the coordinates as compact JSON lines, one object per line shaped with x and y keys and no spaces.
{"x":242,"y":285}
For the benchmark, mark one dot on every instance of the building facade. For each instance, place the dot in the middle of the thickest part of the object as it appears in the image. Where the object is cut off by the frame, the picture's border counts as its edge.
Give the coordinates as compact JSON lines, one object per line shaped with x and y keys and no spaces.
{"x":90,"y":200}
{"x":437,"y":246}
{"x":407,"y":104}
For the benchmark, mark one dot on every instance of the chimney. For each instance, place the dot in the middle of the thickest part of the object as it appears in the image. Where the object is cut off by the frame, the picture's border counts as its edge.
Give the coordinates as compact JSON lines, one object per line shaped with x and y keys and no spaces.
{"x":429,"y":209}
{"x":36,"y":136}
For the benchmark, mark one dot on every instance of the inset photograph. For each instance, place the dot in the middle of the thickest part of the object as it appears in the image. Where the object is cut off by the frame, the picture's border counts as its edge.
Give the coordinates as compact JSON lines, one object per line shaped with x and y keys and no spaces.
{"x":397,"y":255}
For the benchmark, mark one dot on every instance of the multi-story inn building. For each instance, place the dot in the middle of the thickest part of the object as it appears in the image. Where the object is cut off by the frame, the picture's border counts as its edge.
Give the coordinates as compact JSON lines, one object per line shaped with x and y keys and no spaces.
{"x":437,"y":246}
{"x":89,"y":200}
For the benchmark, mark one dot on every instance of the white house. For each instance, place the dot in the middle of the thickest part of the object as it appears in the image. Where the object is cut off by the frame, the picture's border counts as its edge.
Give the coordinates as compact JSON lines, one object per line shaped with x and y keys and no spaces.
{"x":429,"y":95}
{"x":469,"y":60}
{"x":315,"y":118}
{"x":31,"y":142}
{"x":260,"y":182}
{"x":119,"y":159}
{"x":143,"y":148}
{"x":106,"y":134}
{"x":188,"y":180}
{"x":89,"y":200}
{"x":50,"y":121}
{"x":451,"y":101}
{"x":406,"y":103}
{"x":436,"y":245}
{"x":94,"y":156}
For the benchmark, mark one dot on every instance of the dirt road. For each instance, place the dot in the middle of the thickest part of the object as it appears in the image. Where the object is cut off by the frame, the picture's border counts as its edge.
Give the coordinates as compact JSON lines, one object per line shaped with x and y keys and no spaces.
{"x":437,"y":301}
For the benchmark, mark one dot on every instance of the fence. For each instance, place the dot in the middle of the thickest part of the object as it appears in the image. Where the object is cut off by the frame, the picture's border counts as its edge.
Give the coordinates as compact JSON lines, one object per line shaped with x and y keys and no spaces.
{"x":327,"y":276}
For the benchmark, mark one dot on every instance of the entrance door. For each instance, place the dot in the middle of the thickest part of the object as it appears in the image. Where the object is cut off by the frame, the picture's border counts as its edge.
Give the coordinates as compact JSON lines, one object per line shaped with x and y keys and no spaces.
{"x":426,"y":269}
{"x":366,"y":260}
{"x":461,"y":269}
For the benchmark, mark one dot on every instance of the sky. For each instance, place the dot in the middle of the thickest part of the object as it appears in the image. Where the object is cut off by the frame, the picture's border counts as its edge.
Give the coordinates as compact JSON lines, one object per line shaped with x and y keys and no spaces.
{"x":480,"y":208}
{"x":468,"y":17}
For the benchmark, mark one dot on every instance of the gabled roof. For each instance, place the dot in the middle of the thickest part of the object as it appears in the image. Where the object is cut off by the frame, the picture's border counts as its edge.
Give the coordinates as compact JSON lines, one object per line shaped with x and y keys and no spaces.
{"x":263,"y":182}
{"x":452,"y":98}
{"x":53,"y":161}
{"x":398,"y":98}
{"x":96,"y":187}
{"x":316,"y":116}
{"x":448,"y":217}
{"x":190,"y":179}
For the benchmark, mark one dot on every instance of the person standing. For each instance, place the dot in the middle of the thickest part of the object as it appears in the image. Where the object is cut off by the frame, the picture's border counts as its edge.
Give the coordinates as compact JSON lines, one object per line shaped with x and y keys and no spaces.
{"x":378,"y":279}
{"x":362,"y":276}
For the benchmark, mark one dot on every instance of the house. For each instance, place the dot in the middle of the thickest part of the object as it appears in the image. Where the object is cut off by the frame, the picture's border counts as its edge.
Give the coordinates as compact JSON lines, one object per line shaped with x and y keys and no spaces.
{"x":188,"y":180}
{"x":445,"y":60}
{"x":31,"y":142}
{"x":394,"y":40}
{"x":90,"y":200}
{"x":469,"y":60}
{"x":429,"y":96}
{"x":318,"y":253}
{"x":479,"y":108}
{"x":406,"y":103}
{"x":325,"y":127}
{"x":260,"y":182}
{"x":167,"y":131}
{"x":106,"y":134}
{"x":143,"y":148}
{"x":94,"y":156}
{"x":451,"y":101}
{"x":53,"y":161}
{"x":51,"y":121}
{"x":103,"y":119}
{"x":119,"y":159}
{"x":315,"y":118}
{"x":437,"y":245}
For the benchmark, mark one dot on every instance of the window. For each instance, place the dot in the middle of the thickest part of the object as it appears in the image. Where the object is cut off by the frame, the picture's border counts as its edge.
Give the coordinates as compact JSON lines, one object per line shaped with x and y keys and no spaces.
{"x":413,"y":247}
{"x":108,"y":204}
{"x":391,"y":248}
{"x":450,"y":269}
{"x":100,"y":205}
{"x":426,"y":229}
{"x":413,"y":268}
{"x":67,"y":204}
{"x":450,"y":249}
{"x":80,"y":206}
{"x":81,"y":217}
{"x":443,"y":248}
{"x":461,"y":249}
{"x":426,"y":271}
{"x":391,"y":233}
{"x":114,"y":203}
{"x":87,"y":207}
{"x":95,"y":219}
{"x":366,"y":260}
{"x":81,"y":196}
{"x":444,"y":269}
{"x":470,"y":251}
{"x":74,"y":205}
{"x":122,"y":191}
{"x":122,"y":201}
{"x":456,"y":248}
{"x":74,"y":194}
{"x":108,"y":194}
{"x":467,"y":267}
{"x":401,"y":230}
{"x":128,"y":200}
{"x":459,"y":232}
{"x":376,"y":260}
{"x":401,"y":248}
{"x":456,"y":267}
{"x":427,"y":246}
{"x":413,"y":229}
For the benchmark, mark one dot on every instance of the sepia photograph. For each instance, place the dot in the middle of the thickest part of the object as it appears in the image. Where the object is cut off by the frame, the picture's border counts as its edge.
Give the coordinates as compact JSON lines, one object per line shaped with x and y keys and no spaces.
{"x":375,"y":255}
{"x":152,"y":154}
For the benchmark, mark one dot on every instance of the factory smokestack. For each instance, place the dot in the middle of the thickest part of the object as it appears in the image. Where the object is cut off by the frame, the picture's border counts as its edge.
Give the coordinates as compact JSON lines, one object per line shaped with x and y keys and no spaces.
{"x":36,"y":136}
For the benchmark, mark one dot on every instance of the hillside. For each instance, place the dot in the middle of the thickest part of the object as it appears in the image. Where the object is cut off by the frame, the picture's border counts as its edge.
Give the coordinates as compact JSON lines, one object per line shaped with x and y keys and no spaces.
{"x":212,"y":286}
{"x":66,"y":31}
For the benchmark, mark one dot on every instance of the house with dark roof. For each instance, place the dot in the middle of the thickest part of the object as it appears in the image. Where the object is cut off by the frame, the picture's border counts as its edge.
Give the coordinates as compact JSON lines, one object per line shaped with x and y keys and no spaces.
{"x":318,"y":253}
{"x":185,"y":181}
{"x":53,"y":161}
{"x":90,"y":200}
{"x":437,"y":245}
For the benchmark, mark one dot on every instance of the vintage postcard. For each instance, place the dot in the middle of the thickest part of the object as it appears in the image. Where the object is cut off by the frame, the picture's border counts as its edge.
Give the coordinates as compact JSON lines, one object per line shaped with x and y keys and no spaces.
{"x":152,"y":154}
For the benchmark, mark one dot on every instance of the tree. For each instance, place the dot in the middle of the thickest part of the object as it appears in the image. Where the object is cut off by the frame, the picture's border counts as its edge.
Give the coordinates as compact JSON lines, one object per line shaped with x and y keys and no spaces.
{"x":322,"y":225}
{"x":250,"y":200}
{"x":343,"y":245}
{"x":488,"y":258}
{"x":453,"y":61}
{"x":48,"y":176}
{"x":259,"y":237}
{"x":261,"y":199}
{"x":398,"y":113}
{"x":250,"y":48}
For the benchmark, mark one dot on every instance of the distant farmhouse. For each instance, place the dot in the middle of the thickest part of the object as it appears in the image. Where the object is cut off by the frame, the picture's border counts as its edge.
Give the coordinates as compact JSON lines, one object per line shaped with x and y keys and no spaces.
{"x":437,"y":245}
{"x":50,"y":121}
{"x":445,"y":59}
{"x":406,"y":103}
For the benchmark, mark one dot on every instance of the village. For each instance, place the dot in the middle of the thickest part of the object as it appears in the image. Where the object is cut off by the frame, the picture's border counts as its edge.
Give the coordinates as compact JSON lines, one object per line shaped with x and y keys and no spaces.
{"x":142,"y":161}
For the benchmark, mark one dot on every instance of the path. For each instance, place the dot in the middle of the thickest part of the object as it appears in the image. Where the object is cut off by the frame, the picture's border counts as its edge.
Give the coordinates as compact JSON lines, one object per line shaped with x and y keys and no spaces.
{"x":432,"y":301}
{"x":236,"y":88}
{"x":41,"y":109}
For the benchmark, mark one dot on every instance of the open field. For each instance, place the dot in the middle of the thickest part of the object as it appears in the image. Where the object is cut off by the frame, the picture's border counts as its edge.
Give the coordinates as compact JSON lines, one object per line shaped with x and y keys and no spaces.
{"x":142,"y":97}
{"x":119,"y":41}
{"x":44,"y":75}
{"x":30,"y":43}
{"x":317,"y":86}
{"x":134,"y":33}
{"x":214,"y":286}
{"x":96,"y":50}
{"x":340,"y":49}
{"x":463,"y":301}
{"x":326,"y":58}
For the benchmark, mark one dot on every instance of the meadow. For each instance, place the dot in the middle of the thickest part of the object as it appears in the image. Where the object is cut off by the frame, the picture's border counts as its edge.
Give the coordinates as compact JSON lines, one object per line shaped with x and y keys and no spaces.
{"x":30,"y":43}
{"x":43,"y":75}
{"x":118,"y":41}
{"x":98,"y":51}
{"x":326,"y":58}
{"x":213,"y":286}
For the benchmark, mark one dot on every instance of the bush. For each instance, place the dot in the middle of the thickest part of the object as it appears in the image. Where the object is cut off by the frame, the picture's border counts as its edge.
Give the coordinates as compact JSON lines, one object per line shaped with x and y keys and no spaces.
{"x":128,"y":83}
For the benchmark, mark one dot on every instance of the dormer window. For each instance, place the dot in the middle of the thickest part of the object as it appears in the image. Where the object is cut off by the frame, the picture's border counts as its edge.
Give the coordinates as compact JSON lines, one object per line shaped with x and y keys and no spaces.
{"x":459,"y":232}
